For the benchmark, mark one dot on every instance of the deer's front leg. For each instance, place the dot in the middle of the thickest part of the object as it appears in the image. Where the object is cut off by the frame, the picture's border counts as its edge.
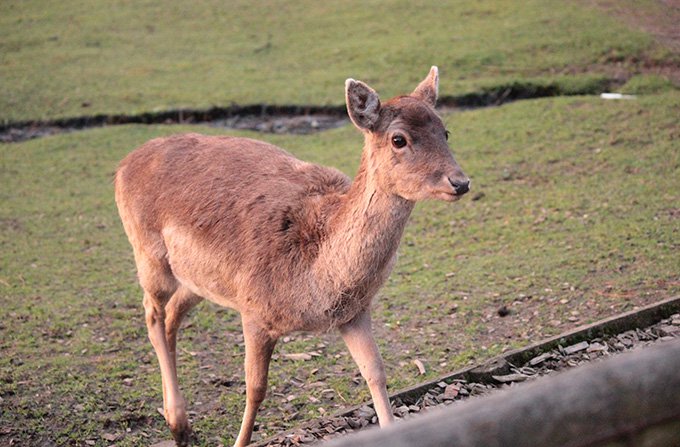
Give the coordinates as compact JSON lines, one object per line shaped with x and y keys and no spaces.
{"x":359,"y":340}
{"x":259,"y":348}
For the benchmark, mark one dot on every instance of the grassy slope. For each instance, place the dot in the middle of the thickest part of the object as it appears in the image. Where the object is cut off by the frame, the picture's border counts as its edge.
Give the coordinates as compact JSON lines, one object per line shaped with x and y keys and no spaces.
{"x":578,"y":220}
{"x":122,"y":56}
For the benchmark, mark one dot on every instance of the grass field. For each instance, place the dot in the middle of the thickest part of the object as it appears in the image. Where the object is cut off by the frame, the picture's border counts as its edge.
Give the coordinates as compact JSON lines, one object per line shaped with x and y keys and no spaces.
{"x":73,"y":58}
{"x":573,"y":214}
{"x":577,"y":219}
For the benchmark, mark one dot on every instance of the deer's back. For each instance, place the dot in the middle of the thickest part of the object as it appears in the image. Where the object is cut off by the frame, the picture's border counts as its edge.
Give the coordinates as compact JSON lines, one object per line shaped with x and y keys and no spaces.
{"x":231,"y":215}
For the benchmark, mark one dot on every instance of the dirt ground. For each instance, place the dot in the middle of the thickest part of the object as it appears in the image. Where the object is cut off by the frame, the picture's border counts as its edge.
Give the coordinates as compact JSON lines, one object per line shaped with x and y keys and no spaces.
{"x":661,"y":21}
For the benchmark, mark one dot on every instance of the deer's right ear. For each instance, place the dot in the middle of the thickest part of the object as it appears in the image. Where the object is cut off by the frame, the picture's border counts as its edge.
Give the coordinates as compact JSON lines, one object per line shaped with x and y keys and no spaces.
{"x":363,"y":104}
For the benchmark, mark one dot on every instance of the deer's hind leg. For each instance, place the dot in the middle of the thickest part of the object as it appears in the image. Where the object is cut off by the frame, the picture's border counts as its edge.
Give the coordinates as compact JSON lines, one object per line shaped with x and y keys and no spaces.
{"x":160,"y":288}
{"x":182,"y":301}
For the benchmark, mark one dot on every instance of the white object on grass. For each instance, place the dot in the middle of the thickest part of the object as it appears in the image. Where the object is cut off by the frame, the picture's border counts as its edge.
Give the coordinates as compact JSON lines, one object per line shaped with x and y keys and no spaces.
{"x":616,"y":96}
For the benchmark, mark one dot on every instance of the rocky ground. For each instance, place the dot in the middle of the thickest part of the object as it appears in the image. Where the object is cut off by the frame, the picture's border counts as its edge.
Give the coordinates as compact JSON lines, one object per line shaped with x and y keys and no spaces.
{"x":483,"y":381}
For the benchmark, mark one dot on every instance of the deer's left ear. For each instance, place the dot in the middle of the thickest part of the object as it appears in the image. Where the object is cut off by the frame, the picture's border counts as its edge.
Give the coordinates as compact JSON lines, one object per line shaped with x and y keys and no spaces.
{"x":428,"y":89}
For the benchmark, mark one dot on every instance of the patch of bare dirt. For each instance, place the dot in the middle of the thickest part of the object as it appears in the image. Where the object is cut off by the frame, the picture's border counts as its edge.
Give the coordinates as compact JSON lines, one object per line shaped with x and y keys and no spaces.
{"x":661,"y":20}
{"x":304,"y":124}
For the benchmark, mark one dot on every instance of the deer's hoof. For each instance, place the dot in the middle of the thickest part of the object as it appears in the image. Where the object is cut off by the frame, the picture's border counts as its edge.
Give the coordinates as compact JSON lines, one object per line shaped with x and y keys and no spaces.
{"x":182,"y":434}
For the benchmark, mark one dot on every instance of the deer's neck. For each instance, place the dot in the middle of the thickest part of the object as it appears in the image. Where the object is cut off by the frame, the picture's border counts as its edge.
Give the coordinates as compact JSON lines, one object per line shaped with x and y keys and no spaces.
{"x":363,"y":236}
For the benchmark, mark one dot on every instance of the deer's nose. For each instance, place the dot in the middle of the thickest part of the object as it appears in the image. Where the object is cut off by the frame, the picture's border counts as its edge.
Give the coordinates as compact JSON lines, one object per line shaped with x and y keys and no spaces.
{"x":460,"y":187}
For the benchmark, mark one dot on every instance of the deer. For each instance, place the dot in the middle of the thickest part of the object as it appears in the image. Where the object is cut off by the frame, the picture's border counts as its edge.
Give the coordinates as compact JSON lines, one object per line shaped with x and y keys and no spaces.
{"x":292,"y":246}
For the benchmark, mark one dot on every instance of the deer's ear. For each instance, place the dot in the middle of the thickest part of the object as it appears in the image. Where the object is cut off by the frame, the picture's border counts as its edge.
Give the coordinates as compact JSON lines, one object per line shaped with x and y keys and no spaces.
{"x":363,"y":104}
{"x":428,"y":89}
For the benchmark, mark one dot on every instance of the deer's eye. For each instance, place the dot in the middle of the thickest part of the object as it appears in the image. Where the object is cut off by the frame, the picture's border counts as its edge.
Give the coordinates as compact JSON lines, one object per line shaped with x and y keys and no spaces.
{"x":398,"y":141}
{"x":446,"y":134}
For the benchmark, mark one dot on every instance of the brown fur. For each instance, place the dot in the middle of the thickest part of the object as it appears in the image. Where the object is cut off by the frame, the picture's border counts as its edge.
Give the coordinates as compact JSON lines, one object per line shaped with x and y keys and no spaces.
{"x":291,"y":245}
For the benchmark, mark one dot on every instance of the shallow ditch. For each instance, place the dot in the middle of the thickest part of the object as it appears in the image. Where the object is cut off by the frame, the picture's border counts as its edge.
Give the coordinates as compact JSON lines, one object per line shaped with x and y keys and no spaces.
{"x":291,"y":119}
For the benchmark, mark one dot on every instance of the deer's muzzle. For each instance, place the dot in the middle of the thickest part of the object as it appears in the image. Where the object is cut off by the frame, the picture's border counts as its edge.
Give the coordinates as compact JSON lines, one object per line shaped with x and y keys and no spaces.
{"x":460,"y":187}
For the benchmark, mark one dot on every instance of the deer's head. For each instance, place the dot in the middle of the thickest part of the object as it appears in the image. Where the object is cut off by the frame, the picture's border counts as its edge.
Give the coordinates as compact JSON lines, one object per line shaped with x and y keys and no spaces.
{"x":406,"y":141}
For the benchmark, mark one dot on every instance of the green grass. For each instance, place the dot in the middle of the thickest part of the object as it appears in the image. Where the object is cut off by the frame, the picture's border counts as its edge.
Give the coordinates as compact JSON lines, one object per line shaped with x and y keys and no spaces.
{"x":575,"y":217}
{"x":579,"y":213}
{"x":72,"y":58}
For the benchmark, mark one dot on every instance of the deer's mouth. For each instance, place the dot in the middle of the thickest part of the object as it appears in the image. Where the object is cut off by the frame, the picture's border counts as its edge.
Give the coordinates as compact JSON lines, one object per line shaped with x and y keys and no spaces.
{"x":450,"y":191}
{"x":450,"y":188}
{"x":447,"y":196}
